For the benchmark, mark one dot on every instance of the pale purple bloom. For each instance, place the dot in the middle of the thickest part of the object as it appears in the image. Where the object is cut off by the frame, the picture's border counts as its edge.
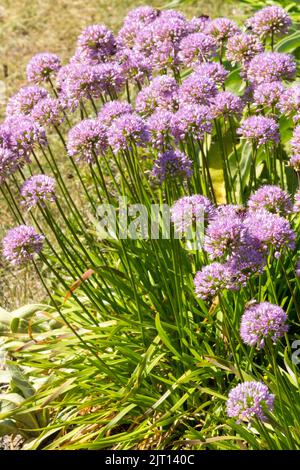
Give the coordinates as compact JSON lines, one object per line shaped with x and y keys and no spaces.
{"x":296,"y":207}
{"x":110,"y":77}
{"x":43,"y":67}
{"x":222,"y":29}
{"x":226,"y":104}
{"x":213,"y":70}
{"x":134,"y":65}
{"x":269,"y":21}
{"x":135,"y":20}
{"x":289,"y":102}
{"x":262,"y":321}
{"x":199,"y":24}
{"x":9,"y":163}
{"x":268,"y":94}
{"x":87,"y":140}
{"x":196,"y":48}
{"x":112,"y":110}
{"x":270,"y":67}
{"x":190,"y":209}
{"x":48,"y":112}
{"x":21,"y":243}
{"x":38,"y":189}
{"x":272,"y":198}
{"x":260,"y":129}
{"x":213,"y":278}
{"x":172,"y":164}
{"x":126,"y":131}
{"x":295,"y":162}
{"x":249,"y":400}
{"x":159,"y":126}
{"x":295,"y":142}
{"x":23,"y":101}
{"x":95,"y":44}
{"x":196,"y":89}
{"x":161,"y":93}
{"x":191,"y":119}
{"x":242,"y":48}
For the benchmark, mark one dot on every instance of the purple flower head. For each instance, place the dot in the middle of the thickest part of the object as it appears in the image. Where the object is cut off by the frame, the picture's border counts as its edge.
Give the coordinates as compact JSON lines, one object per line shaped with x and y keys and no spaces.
{"x":95,"y":45}
{"x":112,"y":110}
{"x":110,"y":77}
{"x":21,"y":243}
{"x":270,"y":67}
{"x":197,"y":90}
{"x":295,"y":141}
{"x":222,"y":29}
{"x":248,"y":258}
{"x":213,"y":278}
{"x":199,"y":24}
{"x":295,"y":162}
{"x":212,"y":70}
{"x":87,"y":139}
{"x":159,"y":126}
{"x":242,"y":48}
{"x":271,"y":198}
{"x":260,"y":129}
{"x":9,"y":163}
{"x":271,"y":230}
{"x":296,"y":207}
{"x":191,"y":119}
{"x":190,"y":209}
{"x":262,"y":321}
{"x":43,"y":67}
{"x":226,"y":104}
{"x":134,"y":65}
{"x":134,"y":22}
{"x":23,"y":101}
{"x":249,"y":400}
{"x":270,"y":21}
{"x":196,"y":48}
{"x":172,"y":164}
{"x":48,"y":112}
{"x":38,"y":189}
{"x":161,"y":93}
{"x":268,"y":94}
{"x":127,"y":130}
{"x":289,"y":102}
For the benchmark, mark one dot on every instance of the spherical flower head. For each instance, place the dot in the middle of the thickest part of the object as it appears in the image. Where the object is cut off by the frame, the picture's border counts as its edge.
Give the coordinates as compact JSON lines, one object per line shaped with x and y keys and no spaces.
{"x":87,"y":140}
{"x":189,"y":210}
{"x":191,"y":119}
{"x":48,"y":112}
{"x":248,"y":258}
{"x":38,"y":189}
{"x":295,"y":162}
{"x":196,"y":48}
{"x":43,"y":67}
{"x":222,"y":29}
{"x":199,"y":24}
{"x":268,"y":95}
{"x":272,"y":230}
{"x":21,"y":243}
{"x":126,"y":131}
{"x":197,"y":90}
{"x":22,"y":134}
{"x":135,"y":21}
{"x":270,"y":67}
{"x":226,"y":104}
{"x":270,"y":21}
{"x":9,"y":163}
{"x":213,"y":278}
{"x":23,"y":102}
{"x":212,"y":70}
{"x":296,"y":207}
{"x":289,"y":102}
{"x":95,"y":44}
{"x":260,"y":129}
{"x":110,"y":78}
{"x":134,"y":65}
{"x":161,"y":93}
{"x":262,"y":321}
{"x":172,"y":164}
{"x":295,"y":141}
{"x":159,"y":127}
{"x":272,"y":198}
{"x":112,"y":110}
{"x":242,"y":48}
{"x":249,"y":400}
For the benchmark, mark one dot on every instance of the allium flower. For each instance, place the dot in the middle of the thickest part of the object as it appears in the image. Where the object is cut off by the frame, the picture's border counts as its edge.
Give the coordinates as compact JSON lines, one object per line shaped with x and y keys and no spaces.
{"x":161,"y":93}
{"x":268,"y":94}
{"x":21,"y":134}
{"x":112,"y":110}
{"x":110,"y":77}
{"x":271,"y":230}
{"x":134,"y":65}
{"x":191,"y":119}
{"x":48,"y":112}
{"x":262,"y":321}
{"x":38,"y":189}
{"x":135,"y":21}
{"x":197,"y":90}
{"x":213,"y":70}
{"x":295,"y":162}
{"x":190,"y":209}
{"x":289,"y":102}
{"x":43,"y":67}
{"x":87,"y":139}
{"x":248,"y":258}
{"x":127,"y":130}
{"x":295,"y":141}
{"x":269,"y":21}
{"x":270,"y":67}
{"x":222,"y":29}
{"x":196,"y":48}
{"x":249,"y":400}
{"x":296,"y":207}
{"x":271,"y":198}
{"x":242,"y":48}
{"x":172,"y":164}
{"x":260,"y":129}
{"x":9,"y":163}
{"x":199,"y":24}
{"x":213,"y":278}
{"x":159,"y":126}
{"x":21,"y":243}
{"x":226,"y":104}
{"x":23,"y":101}
{"x":95,"y":44}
